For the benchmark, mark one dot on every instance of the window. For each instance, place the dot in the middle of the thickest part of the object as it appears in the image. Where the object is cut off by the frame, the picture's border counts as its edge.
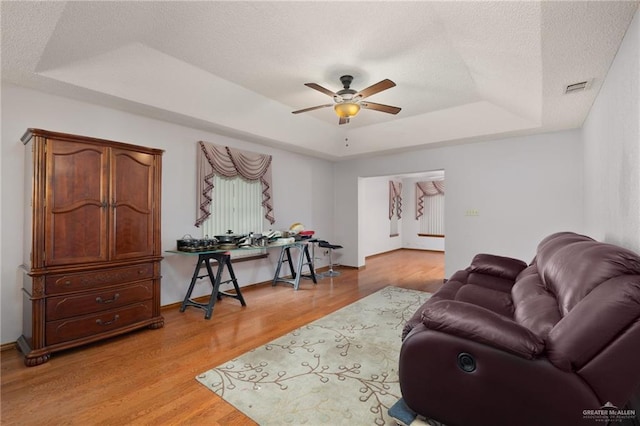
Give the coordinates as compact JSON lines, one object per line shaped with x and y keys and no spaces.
{"x":430,"y":208}
{"x":236,"y":205}
{"x":432,"y":221}
{"x":232,"y":172}
{"x":234,"y":190}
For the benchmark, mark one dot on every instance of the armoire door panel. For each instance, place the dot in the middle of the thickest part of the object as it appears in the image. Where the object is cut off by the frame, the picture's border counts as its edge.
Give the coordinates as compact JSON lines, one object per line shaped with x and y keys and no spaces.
{"x":77,"y":194}
{"x":62,"y":243}
{"x":132,"y":195}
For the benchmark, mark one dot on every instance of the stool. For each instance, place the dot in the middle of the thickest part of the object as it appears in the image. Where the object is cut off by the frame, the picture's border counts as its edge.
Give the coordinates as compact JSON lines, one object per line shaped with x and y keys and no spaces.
{"x":331,"y":247}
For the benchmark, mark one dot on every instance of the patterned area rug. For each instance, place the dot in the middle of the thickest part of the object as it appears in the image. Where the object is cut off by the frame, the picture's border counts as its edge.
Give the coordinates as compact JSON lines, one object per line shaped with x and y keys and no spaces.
{"x":340,"y":369}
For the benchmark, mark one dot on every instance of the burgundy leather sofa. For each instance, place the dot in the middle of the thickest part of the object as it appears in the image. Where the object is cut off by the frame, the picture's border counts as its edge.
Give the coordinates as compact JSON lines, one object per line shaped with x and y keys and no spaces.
{"x":550,"y":343}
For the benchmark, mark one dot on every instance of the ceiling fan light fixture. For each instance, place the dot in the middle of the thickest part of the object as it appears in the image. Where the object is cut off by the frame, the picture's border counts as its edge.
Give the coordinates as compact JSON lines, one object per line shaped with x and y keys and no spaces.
{"x":346,"y":109}
{"x":347,"y":102}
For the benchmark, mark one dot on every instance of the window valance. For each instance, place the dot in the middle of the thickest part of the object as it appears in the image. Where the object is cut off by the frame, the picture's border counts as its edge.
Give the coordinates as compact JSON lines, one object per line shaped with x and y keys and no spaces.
{"x":395,"y":193}
{"x":427,"y":189}
{"x":229,"y":162}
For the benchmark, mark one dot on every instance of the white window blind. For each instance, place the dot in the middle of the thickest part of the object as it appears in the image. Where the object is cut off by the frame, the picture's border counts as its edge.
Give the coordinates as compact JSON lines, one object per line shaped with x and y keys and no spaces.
{"x":236,"y":206}
{"x":432,"y":220}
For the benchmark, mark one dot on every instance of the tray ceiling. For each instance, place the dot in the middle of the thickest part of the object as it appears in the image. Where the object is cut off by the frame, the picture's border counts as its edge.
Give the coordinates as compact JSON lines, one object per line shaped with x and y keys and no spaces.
{"x":465,"y":71}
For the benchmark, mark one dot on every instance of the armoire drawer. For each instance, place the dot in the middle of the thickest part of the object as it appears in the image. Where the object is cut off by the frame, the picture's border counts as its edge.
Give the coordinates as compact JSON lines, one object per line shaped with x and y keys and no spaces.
{"x":90,"y":325}
{"x":73,"y":305}
{"x":64,"y":283}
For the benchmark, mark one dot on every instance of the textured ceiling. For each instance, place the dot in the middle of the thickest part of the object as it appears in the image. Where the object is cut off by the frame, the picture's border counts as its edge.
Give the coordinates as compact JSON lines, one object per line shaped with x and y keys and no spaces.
{"x":464,"y":70}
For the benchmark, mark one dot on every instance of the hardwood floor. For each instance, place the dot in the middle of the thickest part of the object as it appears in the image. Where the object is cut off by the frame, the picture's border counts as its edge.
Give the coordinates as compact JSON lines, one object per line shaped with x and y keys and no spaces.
{"x":147,"y":377}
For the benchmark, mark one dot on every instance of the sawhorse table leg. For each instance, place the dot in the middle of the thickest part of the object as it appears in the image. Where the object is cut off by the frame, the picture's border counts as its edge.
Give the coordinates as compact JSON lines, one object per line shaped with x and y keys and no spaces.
{"x":296,"y":273}
{"x":223,"y":260}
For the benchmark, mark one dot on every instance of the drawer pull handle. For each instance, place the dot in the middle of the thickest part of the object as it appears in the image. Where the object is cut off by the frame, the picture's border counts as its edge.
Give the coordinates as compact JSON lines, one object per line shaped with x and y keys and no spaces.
{"x":100,"y":322}
{"x":103,"y":301}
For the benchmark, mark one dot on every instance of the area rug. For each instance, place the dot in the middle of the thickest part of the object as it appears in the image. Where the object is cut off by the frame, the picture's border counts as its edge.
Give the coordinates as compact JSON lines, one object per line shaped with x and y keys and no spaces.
{"x":341,"y":369}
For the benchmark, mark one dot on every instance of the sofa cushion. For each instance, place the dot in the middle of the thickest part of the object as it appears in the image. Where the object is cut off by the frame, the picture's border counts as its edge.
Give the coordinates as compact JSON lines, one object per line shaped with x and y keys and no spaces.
{"x":577,"y":268}
{"x":595,"y":322}
{"x":536,"y":308}
{"x":610,"y":373}
{"x":497,"y":266}
{"x":494,"y":300}
{"x":529,"y":270}
{"x":460,"y":276}
{"x":447,"y":292}
{"x":483,"y":326}
{"x":549,"y":245}
{"x":490,"y":281}
{"x":554,"y":242}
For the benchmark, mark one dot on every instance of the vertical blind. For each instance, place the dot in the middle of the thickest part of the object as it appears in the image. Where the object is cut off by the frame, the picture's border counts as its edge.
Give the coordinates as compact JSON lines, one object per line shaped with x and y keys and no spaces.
{"x":236,"y":205}
{"x":432,"y":220}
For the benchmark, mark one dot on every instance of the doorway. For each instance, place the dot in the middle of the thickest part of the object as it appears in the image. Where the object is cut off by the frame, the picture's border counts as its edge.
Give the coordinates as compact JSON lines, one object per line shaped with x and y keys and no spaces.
{"x":382,"y":229}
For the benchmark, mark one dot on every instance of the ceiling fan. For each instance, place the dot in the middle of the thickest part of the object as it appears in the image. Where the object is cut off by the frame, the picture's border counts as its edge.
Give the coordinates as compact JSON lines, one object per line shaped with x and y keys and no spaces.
{"x":347,"y":102}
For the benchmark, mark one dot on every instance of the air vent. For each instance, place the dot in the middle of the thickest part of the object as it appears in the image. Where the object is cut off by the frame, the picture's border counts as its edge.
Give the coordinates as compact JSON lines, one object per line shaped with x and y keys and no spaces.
{"x":577,"y":87}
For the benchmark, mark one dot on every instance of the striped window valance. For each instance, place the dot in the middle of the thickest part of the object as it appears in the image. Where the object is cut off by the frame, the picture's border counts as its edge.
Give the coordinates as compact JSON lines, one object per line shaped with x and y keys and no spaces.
{"x":229,"y":162}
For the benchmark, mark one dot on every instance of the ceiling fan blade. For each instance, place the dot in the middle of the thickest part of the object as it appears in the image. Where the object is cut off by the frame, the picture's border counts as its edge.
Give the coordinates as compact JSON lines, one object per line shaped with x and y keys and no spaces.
{"x":321,"y":89}
{"x":311,"y":108}
{"x":380,"y":107}
{"x":376,"y":88}
{"x":343,"y":120}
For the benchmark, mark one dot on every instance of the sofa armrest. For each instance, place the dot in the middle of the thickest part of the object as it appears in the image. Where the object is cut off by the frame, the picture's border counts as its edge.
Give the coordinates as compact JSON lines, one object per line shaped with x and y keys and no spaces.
{"x":483,"y":326}
{"x":498,"y":266}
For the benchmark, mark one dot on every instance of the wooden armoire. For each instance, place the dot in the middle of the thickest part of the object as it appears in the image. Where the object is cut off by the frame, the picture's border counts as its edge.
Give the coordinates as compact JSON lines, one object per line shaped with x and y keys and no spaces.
{"x":92,"y":241}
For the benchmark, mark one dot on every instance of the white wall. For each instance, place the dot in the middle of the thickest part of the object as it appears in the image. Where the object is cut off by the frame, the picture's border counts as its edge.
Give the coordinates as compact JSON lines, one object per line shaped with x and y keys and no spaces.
{"x":376,"y":238}
{"x":303,"y":188}
{"x":611,"y":136}
{"x":524,"y":189}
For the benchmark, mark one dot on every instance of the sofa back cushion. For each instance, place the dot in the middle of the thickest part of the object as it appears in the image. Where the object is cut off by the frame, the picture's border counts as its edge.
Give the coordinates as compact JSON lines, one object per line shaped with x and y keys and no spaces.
{"x":554,"y":242}
{"x":497,"y":301}
{"x":536,"y":308}
{"x":497,"y":266}
{"x":571,"y":268}
{"x":595,"y":323}
{"x":492,"y":272}
{"x":597,"y":287}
